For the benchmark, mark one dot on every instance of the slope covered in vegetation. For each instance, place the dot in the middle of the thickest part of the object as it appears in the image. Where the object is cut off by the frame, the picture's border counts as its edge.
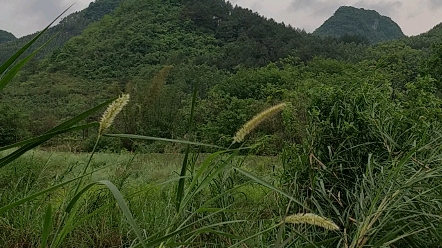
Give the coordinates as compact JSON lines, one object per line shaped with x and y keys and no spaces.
{"x":128,"y":48}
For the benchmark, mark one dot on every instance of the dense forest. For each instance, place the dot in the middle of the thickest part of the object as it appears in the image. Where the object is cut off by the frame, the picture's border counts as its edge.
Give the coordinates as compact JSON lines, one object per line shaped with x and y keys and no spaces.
{"x":361,"y":123}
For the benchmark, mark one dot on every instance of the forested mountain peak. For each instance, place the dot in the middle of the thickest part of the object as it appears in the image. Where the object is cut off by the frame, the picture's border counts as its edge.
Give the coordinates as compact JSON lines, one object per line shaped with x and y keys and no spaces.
{"x":360,"y":24}
{"x":6,"y":36}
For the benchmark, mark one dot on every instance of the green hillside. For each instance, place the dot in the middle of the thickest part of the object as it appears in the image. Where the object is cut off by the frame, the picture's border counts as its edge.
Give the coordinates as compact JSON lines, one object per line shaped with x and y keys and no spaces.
{"x":5,"y":36}
{"x":207,"y":42}
{"x":70,"y":26}
{"x":196,"y":32}
{"x":360,"y":24}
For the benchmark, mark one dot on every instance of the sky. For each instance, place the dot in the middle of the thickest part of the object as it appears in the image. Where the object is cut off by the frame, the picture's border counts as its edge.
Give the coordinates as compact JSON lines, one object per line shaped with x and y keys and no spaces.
{"x":22,"y":17}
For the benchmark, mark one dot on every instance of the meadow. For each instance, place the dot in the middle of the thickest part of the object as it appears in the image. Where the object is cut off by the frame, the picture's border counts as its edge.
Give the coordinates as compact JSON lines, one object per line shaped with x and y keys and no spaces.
{"x":146,"y":181}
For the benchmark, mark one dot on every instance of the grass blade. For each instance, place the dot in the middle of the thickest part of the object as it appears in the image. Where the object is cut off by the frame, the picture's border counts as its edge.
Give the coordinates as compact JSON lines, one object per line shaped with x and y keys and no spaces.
{"x":134,"y":136}
{"x":65,"y":125}
{"x":268,"y":185}
{"x":35,"y":195}
{"x":9,"y":75}
{"x":122,"y":204}
{"x":180,"y":188}
{"x":46,"y":226}
{"x":47,"y":136}
{"x":120,"y":201}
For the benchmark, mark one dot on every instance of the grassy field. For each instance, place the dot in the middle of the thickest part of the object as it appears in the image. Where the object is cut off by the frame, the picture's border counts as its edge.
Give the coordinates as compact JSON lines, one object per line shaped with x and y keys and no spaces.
{"x":148,"y":183}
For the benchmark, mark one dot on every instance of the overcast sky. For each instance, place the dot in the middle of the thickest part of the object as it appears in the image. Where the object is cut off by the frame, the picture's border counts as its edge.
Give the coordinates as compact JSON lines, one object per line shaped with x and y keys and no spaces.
{"x":23,"y":17}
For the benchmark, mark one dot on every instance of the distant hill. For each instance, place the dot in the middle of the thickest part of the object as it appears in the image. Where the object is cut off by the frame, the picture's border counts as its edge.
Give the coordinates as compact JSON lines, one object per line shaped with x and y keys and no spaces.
{"x":70,"y":26}
{"x":5,"y":36}
{"x":348,"y":22}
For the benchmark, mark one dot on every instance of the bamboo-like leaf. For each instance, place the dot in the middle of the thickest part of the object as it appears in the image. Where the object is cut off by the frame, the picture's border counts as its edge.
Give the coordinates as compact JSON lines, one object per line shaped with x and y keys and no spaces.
{"x":81,"y":116}
{"x":9,"y":75}
{"x":122,"y":204}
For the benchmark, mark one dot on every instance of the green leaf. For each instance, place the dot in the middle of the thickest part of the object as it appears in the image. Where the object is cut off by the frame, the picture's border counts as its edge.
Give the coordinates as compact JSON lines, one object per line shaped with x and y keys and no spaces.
{"x":122,"y":204}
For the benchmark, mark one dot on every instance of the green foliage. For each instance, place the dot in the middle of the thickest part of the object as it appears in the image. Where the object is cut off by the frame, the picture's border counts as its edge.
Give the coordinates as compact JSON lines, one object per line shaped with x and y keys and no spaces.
{"x":358,"y":25}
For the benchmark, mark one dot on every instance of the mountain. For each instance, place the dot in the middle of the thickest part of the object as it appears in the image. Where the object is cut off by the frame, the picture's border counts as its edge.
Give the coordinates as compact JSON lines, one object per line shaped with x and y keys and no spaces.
{"x":70,"y":26}
{"x":142,"y":34}
{"x":5,"y":36}
{"x":349,"y":22}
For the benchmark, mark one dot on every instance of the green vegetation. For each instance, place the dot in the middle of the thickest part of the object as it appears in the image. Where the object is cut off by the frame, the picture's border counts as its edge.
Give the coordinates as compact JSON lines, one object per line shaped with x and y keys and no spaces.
{"x":359,"y":25}
{"x":239,"y":132}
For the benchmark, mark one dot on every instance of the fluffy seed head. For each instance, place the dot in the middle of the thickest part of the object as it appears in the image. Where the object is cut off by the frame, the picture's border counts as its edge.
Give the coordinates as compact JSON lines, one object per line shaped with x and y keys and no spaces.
{"x":111,"y":112}
{"x":311,"y":219}
{"x":256,"y":120}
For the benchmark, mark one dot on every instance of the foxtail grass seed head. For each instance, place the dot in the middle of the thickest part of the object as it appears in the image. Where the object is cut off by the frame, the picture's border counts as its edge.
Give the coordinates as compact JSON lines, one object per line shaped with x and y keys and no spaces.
{"x":111,"y":112}
{"x":256,"y":120}
{"x":311,"y":219}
